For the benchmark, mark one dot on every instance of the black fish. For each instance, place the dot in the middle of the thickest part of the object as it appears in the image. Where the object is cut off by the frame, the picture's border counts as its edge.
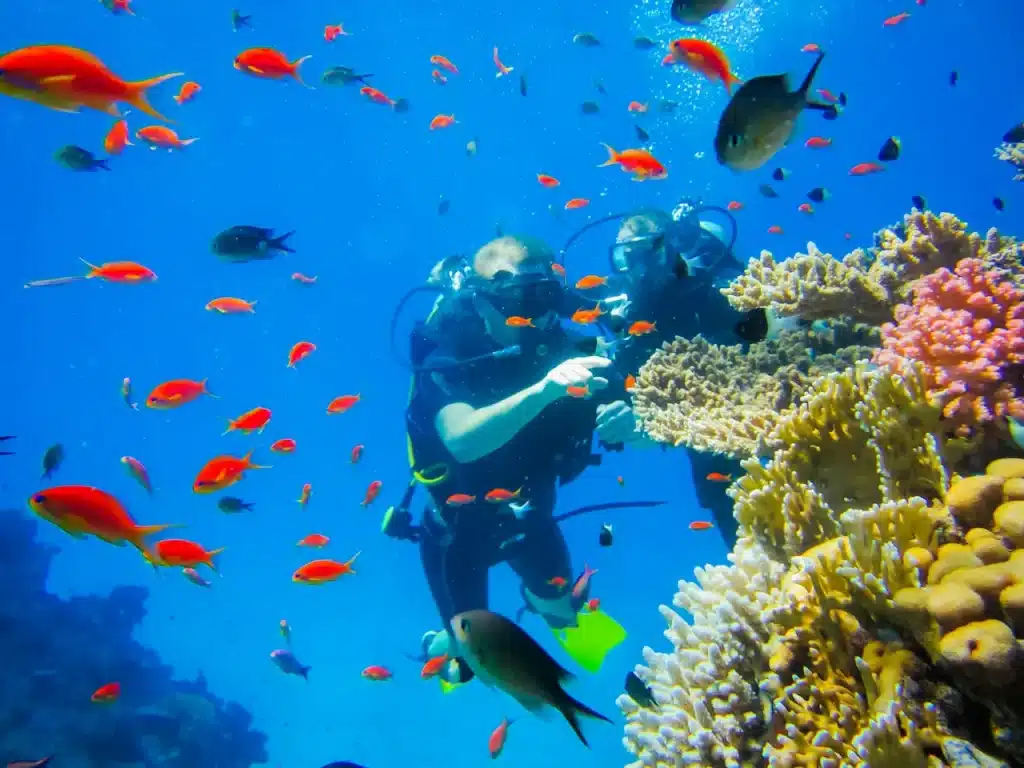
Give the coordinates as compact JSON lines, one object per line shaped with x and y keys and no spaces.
{"x":639,"y":691}
{"x":641,"y":133}
{"x":78,"y":159}
{"x":953,"y":77}
{"x":1015,"y":135}
{"x":890,"y":151}
{"x":919,"y":203}
{"x":600,"y":87}
{"x":231,"y":504}
{"x":52,"y":460}
{"x":401,"y":106}
{"x":522,"y":85}
{"x":819,"y":195}
{"x":443,"y":206}
{"x":780,"y":174}
{"x":753,"y":327}
{"x":605,"y":537}
{"x":590,"y":107}
{"x":4,"y":438}
{"x":767,"y":190}
{"x":842,"y":98}
{"x":244,"y":243}
{"x":642,"y":43}
{"x":238,"y":20}
{"x":998,"y":203}
{"x":343,"y":764}
{"x":343,"y":76}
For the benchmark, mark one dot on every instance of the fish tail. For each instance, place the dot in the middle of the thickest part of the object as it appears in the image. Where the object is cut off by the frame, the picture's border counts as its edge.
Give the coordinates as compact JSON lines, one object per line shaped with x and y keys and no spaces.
{"x":212,"y":554}
{"x":101,"y":164}
{"x":281,"y":244}
{"x":806,"y":86}
{"x":137,"y":94}
{"x":571,"y":709}
{"x":231,"y":428}
{"x":93,"y":269}
{"x":348,"y":563}
{"x":304,"y":671}
{"x":613,"y":156}
{"x":206,"y":389}
{"x":187,"y":142}
{"x":295,"y":69}
{"x":248,"y":460}
{"x":139,"y":535}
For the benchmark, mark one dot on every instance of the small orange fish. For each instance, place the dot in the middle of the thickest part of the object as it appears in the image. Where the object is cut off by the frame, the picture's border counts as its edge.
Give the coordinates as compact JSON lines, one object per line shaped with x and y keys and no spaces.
{"x":193,"y":575}
{"x":805,"y":208}
{"x":120,"y":272}
{"x":641,"y":163}
{"x":357,"y":453}
{"x":183,"y":553}
{"x":818,"y":142}
{"x":580,"y":587}
{"x":315,"y":540}
{"x":343,"y":403}
{"x":176,"y":392}
{"x":496,"y":742}
{"x":307,"y":491}
{"x":322,"y":571}
{"x":250,"y":421}
{"x":578,"y":392}
{"x":637,"y":107}
{"x":593,"y":604}
{"x":334,"y":31}
{"x":442,"y":121}
{"x":811,"y":48}
{"x":774,"y":229}
{"x":558,"y":269}
{"x":519,"y":322}
{"x":377,"y":97}
{"x":547,"y":181}
{"x":441,"y":61}
{"x":160,"y":136}
{"x":301,"y":278}
{"x":502,"y":69}
{"x":864,"y":169}
{"x":734,"y":205}
{"x":460,"y":500}
{"x":439,"y":78}
{"x":117,"y":138}
{"x":590,"y":281}
{"x":122,"y":6}
{"x":558,"y":581}
{"x":268,"y":63}
{"x":378,"y":674}
{"x":107,"y":694}
{"x":222,"y":472}
{"x":827,"y":95}
{"x":300,"y":352}
{"x":432,"y":667}
{"x":718,"y":477}
{"x":642,"y":328}
{"x":372,"y":492}
{"x":587,"y":316}
{"x":899,"y":18}
{"x":228,"y":305}
{"x":700,"y":525}
{"x":137,"y":470}
{"x":501,"y":495}
{"x":705,"y":58}
{"x":284,"y":445}
{"x":630,"y":382}
{"x":188,"y":92}
{"x":577,"y":203}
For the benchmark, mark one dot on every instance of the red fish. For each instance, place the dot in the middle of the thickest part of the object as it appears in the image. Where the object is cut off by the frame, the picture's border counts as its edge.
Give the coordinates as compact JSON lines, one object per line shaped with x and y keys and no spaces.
{"x":342,"y":403}
{"x":183,"y":553}
{"x":460,"y":500}
{"x":865,"y":169}
{"x":300,"y":352}
{"x":706,"y":58}
{"x":268,"y":63}
{"x":377,"y":673}
{"x":122,"y":6}
{"x":176,"y":392}
{"x":578,"y":392}
{"x":117,"y":138}
{"x":700,"y":525}
{"x":138,"y":471}
{"x":774,"y":229}
{"x":811,"y":48}
{"x":377,"y":97}
{"x":307,"y":491}
{"x":322,"y":571}
{"x":357,"y":453}
{"x":576,"y":203}
{"x":630,"y":382}
{"x":443,"y":63}
{"x":188,"y":92}
{"x":718,"y":477}
{"x":442,"y":121}
{"x":284,"y":445}
{"x":120,"y":272}
{"x":315,"y":540}
{"x":637,"y":107}
{"x":433,"y":667}
{"x":222,"y":472}
{"x":107,"y":694}
{"x":502,"y":69}
{"x":591,"y":281}
{"x":547,"y":181}
{"x":228,"y":305}
{"x":642,"y":328}
{"x":827,"y":95}
{"x":372,"y":492}
{"x":250,"y":421}
{"x":66,"y":78}
{"x":159,"y":136}
{"x":734,"y":205}
{"x":558,"y":269}
{"x":899,"y":18}
{"x":80,"y":510}
{"x":583,"y":581}
{"x":818,"y":142}
{"x":805,"y":208}
{"x":641,"y":163}
{"x":301,"y":278}
{"x":496,"y":742}
{"x":593,"y":604}
{"x":334,"y":31}
{"x":501,"y":495}
{"x":558,"y":581}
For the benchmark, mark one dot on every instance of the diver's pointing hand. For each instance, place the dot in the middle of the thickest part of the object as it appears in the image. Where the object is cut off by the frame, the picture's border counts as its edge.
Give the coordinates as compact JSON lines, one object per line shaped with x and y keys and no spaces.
{"x":575,"y":373}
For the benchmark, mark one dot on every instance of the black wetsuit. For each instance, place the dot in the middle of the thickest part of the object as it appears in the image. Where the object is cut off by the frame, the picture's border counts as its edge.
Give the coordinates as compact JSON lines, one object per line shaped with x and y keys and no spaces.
{"x":459,"y":549}
{"x":702,"y":310}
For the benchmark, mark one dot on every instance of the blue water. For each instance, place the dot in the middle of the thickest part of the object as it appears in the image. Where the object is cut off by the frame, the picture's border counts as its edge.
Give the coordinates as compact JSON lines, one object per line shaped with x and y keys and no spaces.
{"x":361,"y":185}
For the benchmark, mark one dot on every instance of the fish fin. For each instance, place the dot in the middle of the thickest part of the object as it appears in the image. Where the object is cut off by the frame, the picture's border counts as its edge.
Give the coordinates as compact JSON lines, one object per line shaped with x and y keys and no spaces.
{"x":101,"y":164}
{"x":348,"y":563}
{"x":137,"y":94}
{"x":140,"y":533}
{"x":571,"y":709}
{"x":212,"y":554}
{"x":186,"y":142}
{"x":206,"y":389}
{"x":613,"y":156}
{"x":93,"y":269}
{"x":295,"y":70}
{"x":248,"y":460}
{"x":805,"y":87}
{"x":231,"y":428}
{"x":280,"y":243}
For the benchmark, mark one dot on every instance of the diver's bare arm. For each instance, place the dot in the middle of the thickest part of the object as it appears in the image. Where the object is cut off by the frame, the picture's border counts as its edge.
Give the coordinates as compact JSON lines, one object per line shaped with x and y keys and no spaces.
{"x":471,"y":433}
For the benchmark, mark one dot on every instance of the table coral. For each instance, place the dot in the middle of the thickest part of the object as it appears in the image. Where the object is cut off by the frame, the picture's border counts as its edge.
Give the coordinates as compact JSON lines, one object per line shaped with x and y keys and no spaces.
{"x":965,"y":327}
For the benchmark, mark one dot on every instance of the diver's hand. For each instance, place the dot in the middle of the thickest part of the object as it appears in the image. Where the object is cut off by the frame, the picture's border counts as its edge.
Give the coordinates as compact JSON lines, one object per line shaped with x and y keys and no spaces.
{"x":616,"y":423}
{"x":574,"y":373}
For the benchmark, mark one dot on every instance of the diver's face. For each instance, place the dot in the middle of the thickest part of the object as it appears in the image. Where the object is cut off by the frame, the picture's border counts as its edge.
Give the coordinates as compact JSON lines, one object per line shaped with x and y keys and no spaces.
{"x":499,"y":328}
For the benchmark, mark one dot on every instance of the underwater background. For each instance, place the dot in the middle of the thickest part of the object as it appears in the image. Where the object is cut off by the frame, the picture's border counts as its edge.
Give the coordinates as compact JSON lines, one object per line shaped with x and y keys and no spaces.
{"x":361,"y":185}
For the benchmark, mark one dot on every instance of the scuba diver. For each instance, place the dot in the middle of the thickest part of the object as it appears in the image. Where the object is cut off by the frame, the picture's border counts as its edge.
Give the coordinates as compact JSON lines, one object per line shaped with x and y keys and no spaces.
{"x":667,"y":268}
{"x":503,"y":407}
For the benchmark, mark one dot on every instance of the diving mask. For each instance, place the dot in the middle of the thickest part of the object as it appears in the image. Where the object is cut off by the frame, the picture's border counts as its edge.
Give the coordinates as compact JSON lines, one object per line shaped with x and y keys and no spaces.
{"x":523,"y":294}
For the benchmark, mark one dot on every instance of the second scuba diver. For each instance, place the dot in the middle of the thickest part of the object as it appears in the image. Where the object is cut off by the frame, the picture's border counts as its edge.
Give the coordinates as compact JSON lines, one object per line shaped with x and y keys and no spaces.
{"x":504,"y":405}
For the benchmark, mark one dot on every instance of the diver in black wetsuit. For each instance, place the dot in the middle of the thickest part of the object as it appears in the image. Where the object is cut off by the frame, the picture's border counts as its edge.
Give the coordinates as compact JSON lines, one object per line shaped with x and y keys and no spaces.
{"x":504,"y":405}
{"x":667,"y":269}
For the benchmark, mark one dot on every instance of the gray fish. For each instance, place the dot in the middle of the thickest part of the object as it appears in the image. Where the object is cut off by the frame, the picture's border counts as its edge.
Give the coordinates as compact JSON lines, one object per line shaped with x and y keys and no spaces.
{"x":590,"y":107}
{"x":30,"y":763}
{"x":639,"y":691}
{"x":586,"y":39}
{"x":52,"y":460}
{"x":641,"y":133}
{"x":238,"y":20}
{"x":343,"y":76}
{"x":232,"y":504}
{"x":767,"y":190}
{"x":401,"y":106}
{"x":643,"y":43}
{"x":820,"y":195}
{"x":522,"y":85}
{"x":443,"y":207}
{"x":503,"y":655}
{"x":695,"y":11}
{"x":244,"y":243}
{"x":288,"y":664}
{"x":600,"y":87}
{"x":760,"y":119}
{"x":78,"y":159}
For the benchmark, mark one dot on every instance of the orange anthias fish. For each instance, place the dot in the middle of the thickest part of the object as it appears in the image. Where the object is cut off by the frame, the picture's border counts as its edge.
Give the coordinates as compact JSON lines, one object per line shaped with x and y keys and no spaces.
{"x":630,"y":382}
{"x":357,"y":453}
{"x":250,"y":421}
{"x":442,"y":121}
{"x":460,"y":500}
{"x":228,"y":305}
{"x":587,"y":316}
{"x":501,"y":495}
{"x":558,"y":269}
{"x":637,"y":107}
{"x":66,"y":78}
{"x":122,"y":6}
{"x":322,"y":571}
{"x":441,"y":61}
{"x":502,"y":69}
{"x":377,"y":97}
{"x":268,"y":63}
{"x":300,"y":352}
{"x":865,"y":169}
{"x":547,"y":181}
{"x":161,"y":137}
{"x":558,"y":581}
{"x":183,"y":553}
{"x":805,"y":208}
{"x":432,"y":667}
{"x":818,"y":142}
{"x":705,"y":58}
{"x":899,"y":18}
{"x":176,"y":392}
{"x":284,"y":445}
{"x":120,"y":272}
{"x":734,"y":205}
{"x":222,"y":472}
{"x":304,"y":279}
{"x":591,"y":281}
{"x":700,"y":525}
{"x":117,"y":138}
{"x":641,"y":328}
{"x":372,"y":492}
{"x":519,"y":322}
{"x":577,"y":203}
{"x":315,"y":540}
{"x":307,"y":492}
{"x":188,"y":92}
{"x":580,"y":587}
{"x":578,"y":392}
{"x":774,"y":229}
{"x":342,"y":403}
{"x":80,"y":510}
{"x":496,"y":742}
{"x":718,"y":477}
{"x":137,"y":470}
{"x":439,"y":78}
{"x":377,"y":673}
{"x":333,"y":31}
{"x":107,"y":694}
{"x":641,"y":163}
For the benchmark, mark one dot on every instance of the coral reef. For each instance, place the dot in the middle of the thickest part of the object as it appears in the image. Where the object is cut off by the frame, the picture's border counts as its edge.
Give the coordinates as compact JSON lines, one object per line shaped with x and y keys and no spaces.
{"x":57,"y":652}
{"x":1014,"y":155}
{"x":866,"y":285}
{"x":872,"y":611}
{"x":966,"y":327}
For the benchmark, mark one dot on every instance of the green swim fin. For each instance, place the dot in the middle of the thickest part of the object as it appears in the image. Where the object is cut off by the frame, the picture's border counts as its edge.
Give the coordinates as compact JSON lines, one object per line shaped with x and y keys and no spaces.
{"x":595,"y":636}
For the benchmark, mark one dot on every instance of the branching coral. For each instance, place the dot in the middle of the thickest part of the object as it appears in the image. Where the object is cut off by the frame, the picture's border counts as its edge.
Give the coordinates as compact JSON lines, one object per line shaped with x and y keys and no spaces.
{"x":1014,"y":155}
{"x":965,"y":327}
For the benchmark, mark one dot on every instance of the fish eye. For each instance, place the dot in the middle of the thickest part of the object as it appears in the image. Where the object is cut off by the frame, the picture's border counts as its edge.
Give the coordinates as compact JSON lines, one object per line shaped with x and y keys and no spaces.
{"x":39,"y":499}
{"x":734,"y":140}
{"x":201,"y":483}
{"x":464,"y":625}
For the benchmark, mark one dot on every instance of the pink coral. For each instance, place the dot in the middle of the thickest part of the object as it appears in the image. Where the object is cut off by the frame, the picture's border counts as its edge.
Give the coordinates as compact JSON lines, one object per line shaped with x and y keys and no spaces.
{"x":964,"y":327}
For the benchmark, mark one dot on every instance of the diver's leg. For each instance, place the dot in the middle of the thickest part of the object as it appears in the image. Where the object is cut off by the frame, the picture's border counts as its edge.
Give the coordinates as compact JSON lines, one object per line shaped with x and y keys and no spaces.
{"x":541,"y":556}
{"x":711,"y":494}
